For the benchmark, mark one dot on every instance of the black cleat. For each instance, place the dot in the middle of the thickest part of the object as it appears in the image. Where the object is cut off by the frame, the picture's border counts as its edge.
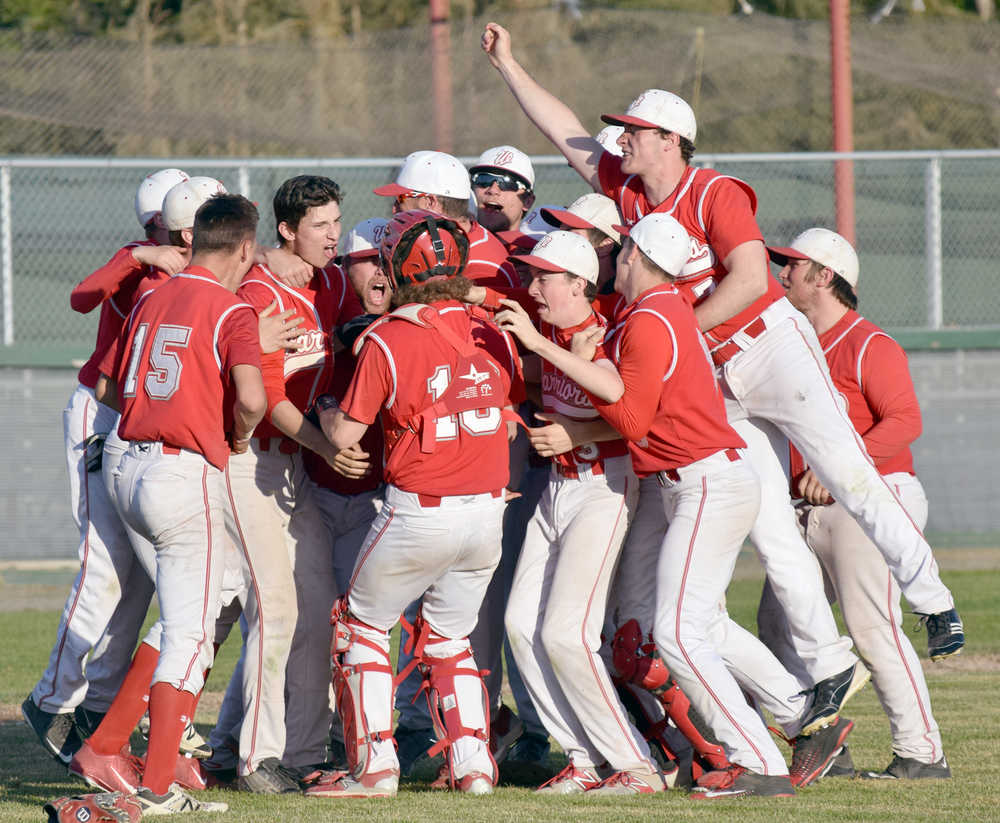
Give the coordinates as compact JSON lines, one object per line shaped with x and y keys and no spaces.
{"x":906,"y":768}
{"x":945,"y":633}
{"x":830,"y":695}
{"x":56,"y":732}
{"x":813,"y":755}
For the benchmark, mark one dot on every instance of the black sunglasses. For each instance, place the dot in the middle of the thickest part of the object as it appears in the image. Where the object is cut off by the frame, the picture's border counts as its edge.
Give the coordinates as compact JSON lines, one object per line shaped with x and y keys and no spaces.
{"x":485,"y":179}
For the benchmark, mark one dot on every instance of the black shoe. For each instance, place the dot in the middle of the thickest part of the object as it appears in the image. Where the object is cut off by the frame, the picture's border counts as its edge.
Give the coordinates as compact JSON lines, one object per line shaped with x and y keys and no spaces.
{"x":527,"y":761}
{"x":412,"y":746}
{"x":906,"y":768}
{"x":945,"y":633}
{"x":56,"y":732}
{"x":813,"y":755}
{"x":338,"y":755}
{"x":87,"y":720}
{"x":842,"y":765}
{"x":270,"y":777}
{"x":830,"y":695}
{"x":743,"y":783}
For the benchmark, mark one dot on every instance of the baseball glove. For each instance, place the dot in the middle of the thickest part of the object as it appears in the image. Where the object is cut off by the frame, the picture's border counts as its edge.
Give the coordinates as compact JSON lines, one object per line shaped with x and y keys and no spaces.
{"x":93,"y":451}
{"x":348,"y":332}
{"x":108,"y":807}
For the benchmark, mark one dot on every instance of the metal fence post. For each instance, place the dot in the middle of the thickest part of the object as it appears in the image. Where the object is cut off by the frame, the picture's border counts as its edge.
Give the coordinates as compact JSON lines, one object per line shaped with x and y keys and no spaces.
{"x":243,"y":178}
{"x":6,"y":256}
{"x":932,"y":240}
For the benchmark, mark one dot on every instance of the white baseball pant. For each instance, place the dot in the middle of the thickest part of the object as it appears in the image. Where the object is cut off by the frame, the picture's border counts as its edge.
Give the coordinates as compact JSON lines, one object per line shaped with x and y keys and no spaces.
{"x":110,"y":595}
{"x":447,"y":555}
{"x":869,"y":599}
{"x":178,"y":502}
{"x":556,"y":613}
{"x":792,"y":568}
{"x":782,"y":376}
{"x":290,"y":589}
{"x":711,"y":506}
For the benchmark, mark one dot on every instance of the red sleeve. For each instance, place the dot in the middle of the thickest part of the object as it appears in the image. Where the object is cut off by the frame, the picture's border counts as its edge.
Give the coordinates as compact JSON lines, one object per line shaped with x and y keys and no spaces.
{"x":104,"y":282}
{"x":109,"y":363}
{"x":888,"y":389}
{"x":370,"y":386}
{"x":644,"y":352}
{"x":239,"y":340}
{"x":729,"y":217}
{"x":272,"y":369}
{"x":610,"y":175}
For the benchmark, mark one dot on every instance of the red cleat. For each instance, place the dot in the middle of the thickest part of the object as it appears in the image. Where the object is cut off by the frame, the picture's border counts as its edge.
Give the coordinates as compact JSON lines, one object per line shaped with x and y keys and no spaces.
{"x":121,"y":772}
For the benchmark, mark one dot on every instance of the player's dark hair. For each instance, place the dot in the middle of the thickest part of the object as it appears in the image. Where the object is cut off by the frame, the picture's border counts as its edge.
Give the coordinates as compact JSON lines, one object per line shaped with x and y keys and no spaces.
{"x":589,"y":289}
{"x":223,"y":222}
{"x":176,"y":237}
{"x":297,"y":195}
{"x":844,"y":292}
{"x":151,"y":228}
{"x":449,"y":288}
{"x":687,"y":147}
{"x":454,"y":207}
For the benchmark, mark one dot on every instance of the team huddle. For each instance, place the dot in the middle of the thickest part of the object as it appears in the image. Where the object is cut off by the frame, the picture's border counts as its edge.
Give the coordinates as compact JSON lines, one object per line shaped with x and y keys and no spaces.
{"x":540,"y":433}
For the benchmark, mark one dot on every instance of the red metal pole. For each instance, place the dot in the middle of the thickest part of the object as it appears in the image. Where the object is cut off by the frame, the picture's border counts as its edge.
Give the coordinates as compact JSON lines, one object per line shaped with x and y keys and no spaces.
{"x":843,"y":118}
{"x":441,"y":75}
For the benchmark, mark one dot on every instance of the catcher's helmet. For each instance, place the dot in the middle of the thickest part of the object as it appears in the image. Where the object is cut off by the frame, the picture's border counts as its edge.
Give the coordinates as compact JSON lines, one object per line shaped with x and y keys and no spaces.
{"x":420,"y":244}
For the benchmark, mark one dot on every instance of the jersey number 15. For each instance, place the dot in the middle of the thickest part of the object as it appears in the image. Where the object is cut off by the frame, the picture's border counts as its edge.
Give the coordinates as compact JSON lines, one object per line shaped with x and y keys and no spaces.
{"x":164,"y":374}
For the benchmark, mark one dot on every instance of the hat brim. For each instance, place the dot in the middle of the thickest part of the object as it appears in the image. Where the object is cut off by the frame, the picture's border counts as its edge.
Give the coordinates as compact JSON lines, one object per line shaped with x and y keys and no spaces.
{"x":517,"y":240}
{"x":391,"y":190}
{"x":629,"y":120}
{"x":540,"y":263}
{"x":360,"y":254}
{"x":560,"y":217}
{"x":782,"y":254}
{"x":622,"y":230}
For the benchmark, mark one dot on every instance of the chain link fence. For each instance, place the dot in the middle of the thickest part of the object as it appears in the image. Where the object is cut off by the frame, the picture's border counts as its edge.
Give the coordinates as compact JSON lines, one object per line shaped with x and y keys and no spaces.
{"x":926,"y":231}
{"x":758,"y":83}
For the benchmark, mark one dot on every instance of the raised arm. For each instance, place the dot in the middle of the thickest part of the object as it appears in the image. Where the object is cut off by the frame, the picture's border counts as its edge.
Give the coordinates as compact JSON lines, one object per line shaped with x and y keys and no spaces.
{"x":552,"y":117}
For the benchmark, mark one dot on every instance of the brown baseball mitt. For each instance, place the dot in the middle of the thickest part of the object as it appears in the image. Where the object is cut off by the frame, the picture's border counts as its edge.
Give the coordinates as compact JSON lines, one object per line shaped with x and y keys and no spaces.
{"x":108,"y":807}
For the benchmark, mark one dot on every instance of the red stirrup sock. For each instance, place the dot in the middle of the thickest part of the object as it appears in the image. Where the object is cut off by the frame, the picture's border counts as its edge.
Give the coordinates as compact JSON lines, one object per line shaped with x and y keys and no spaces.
{"x":129,"y":705}
{"x":169,"y":711}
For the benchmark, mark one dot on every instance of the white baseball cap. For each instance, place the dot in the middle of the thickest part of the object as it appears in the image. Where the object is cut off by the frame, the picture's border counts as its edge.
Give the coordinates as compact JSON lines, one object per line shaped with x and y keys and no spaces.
{"x":591,"y":211}
{"x":564,"y":251}
{"x":663,"y":240}
{"x":364,"y":239}
{"x":657,"y":109}
{"x":507,"y":159}
{"x":184,"y":199}
{"x":608,"y":138}
{"x":149,"y":196}
{"x":430,"y":172}
{"x":825,"y":247}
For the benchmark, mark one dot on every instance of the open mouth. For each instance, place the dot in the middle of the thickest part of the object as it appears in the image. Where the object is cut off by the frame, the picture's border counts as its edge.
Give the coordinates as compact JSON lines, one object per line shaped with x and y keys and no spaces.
{"x":378,"y":293}
{"x":495,"y":207}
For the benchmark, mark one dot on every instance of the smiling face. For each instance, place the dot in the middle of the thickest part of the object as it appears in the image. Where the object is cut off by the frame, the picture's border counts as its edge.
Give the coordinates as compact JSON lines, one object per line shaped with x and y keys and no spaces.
{"x":500,"y":209}
{"x":642,"y":148}
{"x":315,"y":238}
{"x":370,"y":284}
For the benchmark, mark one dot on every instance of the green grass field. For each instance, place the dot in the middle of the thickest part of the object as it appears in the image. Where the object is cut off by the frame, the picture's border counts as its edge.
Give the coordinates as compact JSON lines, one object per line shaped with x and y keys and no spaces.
{"x":963,"y":691}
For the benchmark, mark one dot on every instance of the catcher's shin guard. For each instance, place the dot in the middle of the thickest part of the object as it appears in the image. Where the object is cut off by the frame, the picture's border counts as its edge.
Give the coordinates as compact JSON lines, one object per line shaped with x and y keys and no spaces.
{"x":362,"y":686}
{"x":636,"y":661}
{"x":457,"y":699}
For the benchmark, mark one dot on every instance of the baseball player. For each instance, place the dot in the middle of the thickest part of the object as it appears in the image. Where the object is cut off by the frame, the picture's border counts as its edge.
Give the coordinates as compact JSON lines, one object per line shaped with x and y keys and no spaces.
{"x":105,"y":581}
{"x":190,"y":349}
{"x":348,"y":504}
{"x":503,"y":181}
{"x":740,"y":308}
{"x":556,"y":609}
{"x":676,"y":429}
{"x":439,"y":182}
{"x":289,"y":591}
{"x":441,"y":376}
{"x":869,"y":369}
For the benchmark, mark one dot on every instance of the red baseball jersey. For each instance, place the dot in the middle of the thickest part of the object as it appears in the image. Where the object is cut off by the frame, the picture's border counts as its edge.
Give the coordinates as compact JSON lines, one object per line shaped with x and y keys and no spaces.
{"x":672,"y":412}
{"x":718,"y":213}
{"x":319,"y":470}
{"x":488,"y":264}
{"x":563,"y":396}
{"x":404,"y":369}
{"x":871,"y":372}
{"x":174,"y":362}
{"x":115,"y":287}
{"x":300,"y":376}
